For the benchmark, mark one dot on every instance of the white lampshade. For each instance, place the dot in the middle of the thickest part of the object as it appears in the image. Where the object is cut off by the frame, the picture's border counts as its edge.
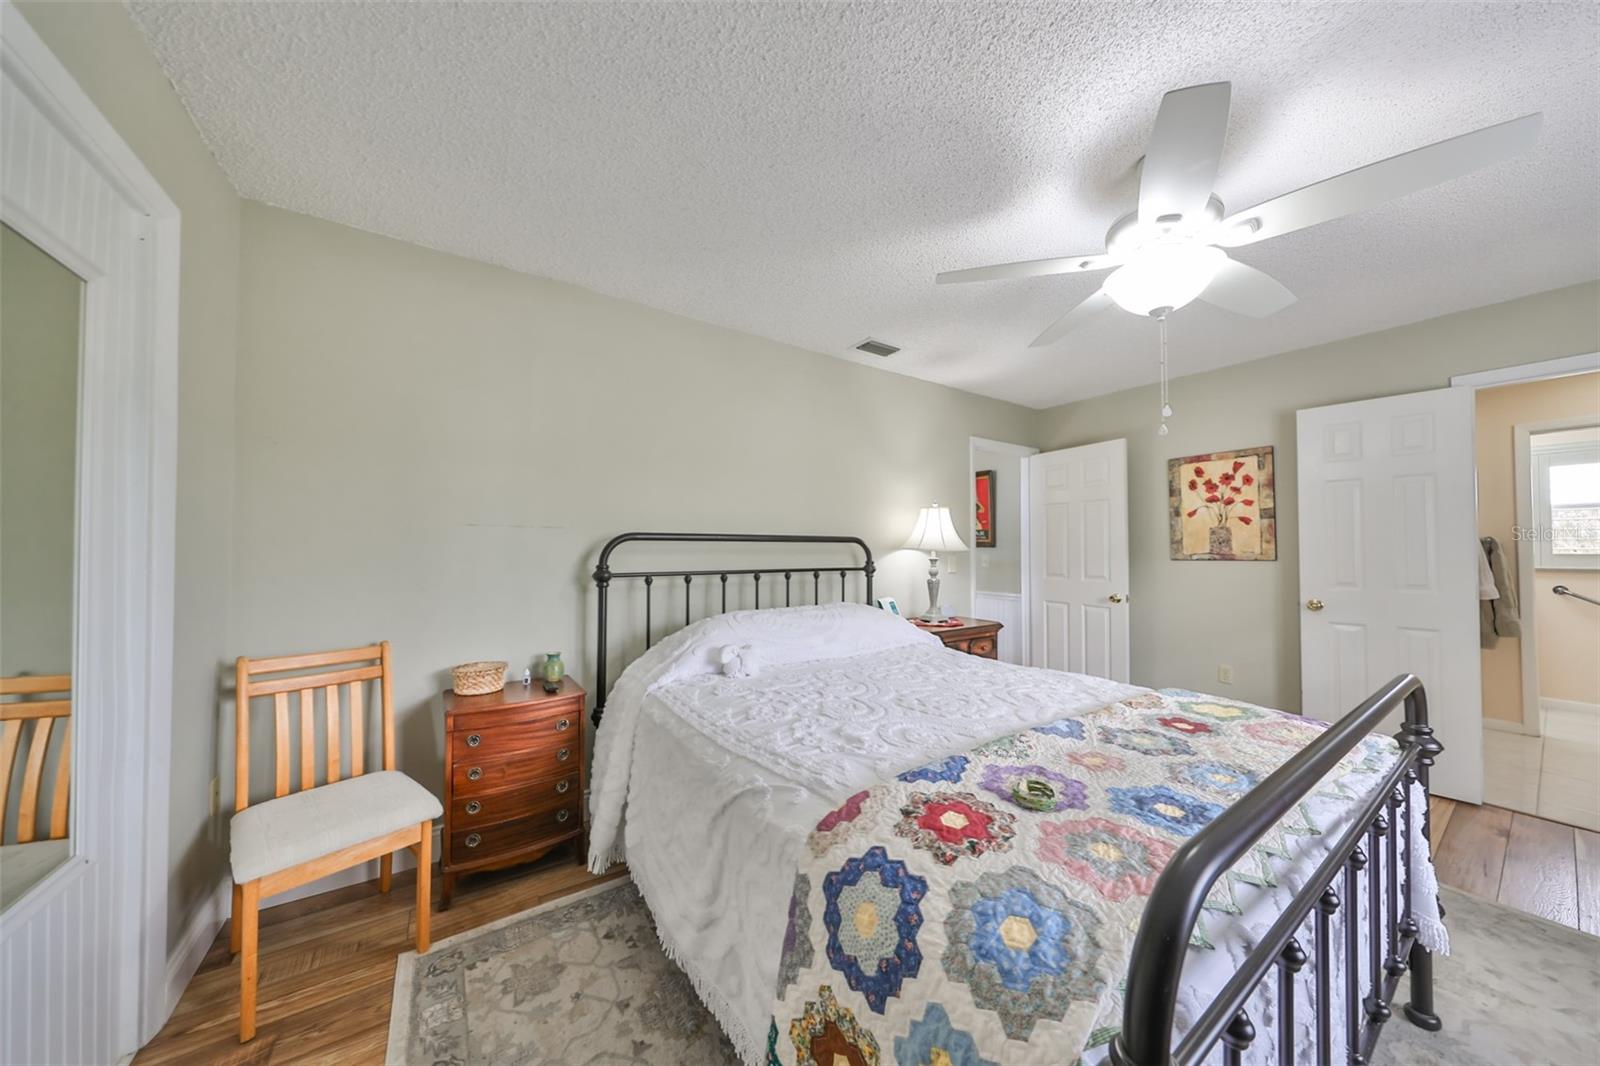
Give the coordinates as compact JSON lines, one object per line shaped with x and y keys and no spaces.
{"x":935,"y":532}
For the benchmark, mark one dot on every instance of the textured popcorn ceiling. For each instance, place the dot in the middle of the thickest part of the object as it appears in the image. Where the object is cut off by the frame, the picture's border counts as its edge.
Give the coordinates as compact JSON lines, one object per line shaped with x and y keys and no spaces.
{"x":801,"y":171}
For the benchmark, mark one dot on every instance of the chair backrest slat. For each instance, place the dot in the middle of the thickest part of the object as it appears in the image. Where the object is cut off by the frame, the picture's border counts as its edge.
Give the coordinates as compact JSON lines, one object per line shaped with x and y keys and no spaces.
{"x":280,"y":711}
{"x":358,"y":736}
{"x":330,"y":697}
{"x":308,"y":739}
{"x":10,"y":738}
{"x":32,"y":777}
{"x":62,"y":788}
{"x":349,"y":671}
{"x":42,"y":721}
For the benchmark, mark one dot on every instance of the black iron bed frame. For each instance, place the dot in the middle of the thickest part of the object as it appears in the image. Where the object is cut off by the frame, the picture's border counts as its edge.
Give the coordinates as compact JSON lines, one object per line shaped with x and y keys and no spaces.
{"x":1383,"y":825}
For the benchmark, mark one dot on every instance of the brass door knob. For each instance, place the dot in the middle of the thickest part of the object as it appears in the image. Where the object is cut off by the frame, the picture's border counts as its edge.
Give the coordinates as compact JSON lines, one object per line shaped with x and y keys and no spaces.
{"x":1313,"y":604}
{"x":563,"y":785}
{"x":473,"y":806}
{"x":562,"y":754}
{"x":1115,"y":597}
{"x":473,"y":840}
{"x":474,"y":773}
{"x":563,"y":724}
{"x":474,"y":740}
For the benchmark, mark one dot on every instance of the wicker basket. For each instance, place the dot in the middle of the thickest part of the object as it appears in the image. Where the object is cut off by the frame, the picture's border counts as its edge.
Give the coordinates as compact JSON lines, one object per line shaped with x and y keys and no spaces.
{"x":478,"y":679}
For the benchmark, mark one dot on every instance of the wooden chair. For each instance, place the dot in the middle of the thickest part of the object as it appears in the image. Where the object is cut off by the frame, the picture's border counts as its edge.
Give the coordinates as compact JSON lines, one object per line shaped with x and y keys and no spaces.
{"x":320,"y":828}
{"x":45,"y":715}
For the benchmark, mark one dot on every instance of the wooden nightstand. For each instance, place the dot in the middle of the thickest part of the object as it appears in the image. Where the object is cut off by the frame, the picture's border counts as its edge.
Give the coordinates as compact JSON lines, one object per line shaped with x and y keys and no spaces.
{"x":975,"y":636}
{"x":514,"y":774}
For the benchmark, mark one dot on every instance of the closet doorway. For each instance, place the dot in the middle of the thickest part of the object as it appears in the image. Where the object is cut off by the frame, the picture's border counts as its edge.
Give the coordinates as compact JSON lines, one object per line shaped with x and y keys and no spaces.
{"x":998,"y":505}
{"x":1538,"y":483}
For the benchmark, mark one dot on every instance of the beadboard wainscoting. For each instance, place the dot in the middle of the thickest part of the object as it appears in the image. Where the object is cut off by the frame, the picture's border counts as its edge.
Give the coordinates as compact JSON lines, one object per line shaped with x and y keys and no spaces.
{"x":1005,"y":608}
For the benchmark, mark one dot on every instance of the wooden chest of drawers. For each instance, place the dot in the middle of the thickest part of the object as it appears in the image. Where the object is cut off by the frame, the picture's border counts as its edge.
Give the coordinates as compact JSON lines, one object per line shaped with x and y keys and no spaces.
{"x":975,"y":636}
{"x":514,"y":775}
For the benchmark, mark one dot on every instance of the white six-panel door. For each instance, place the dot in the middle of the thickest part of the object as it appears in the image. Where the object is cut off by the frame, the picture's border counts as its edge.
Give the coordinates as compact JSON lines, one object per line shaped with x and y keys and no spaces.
{"x":1388,"y":578}
{"x":1078,"y":563}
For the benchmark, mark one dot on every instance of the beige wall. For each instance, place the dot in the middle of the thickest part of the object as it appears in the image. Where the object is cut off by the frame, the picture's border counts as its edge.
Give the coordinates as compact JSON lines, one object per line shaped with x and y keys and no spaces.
{"x":1570,"y":632}
{"x":1176,"y":640}
{"x":432,"y":451}
{"x":39,"y":322}
{"x":107,"y":56}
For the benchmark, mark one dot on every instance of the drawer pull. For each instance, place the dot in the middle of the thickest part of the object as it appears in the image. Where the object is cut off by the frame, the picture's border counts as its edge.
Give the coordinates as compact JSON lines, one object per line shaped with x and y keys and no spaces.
{"x":473,"y":840}
{"x":563,"y":814}
{"x":474,"y":773}
{"x":562,"y":786}
{"x":474,"y":740}
{"x":562,"y":754}
{"x":473,"y":807}
{"x":563,"y":724}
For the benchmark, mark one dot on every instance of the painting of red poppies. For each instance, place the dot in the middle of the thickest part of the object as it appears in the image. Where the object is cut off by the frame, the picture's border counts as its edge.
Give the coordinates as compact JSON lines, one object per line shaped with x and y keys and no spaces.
{"x":1222,"y":506}
{"x":983,"y":502}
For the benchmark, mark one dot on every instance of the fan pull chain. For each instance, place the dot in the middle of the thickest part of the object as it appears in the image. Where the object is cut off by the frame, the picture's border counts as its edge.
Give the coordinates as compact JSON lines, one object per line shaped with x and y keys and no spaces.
{"x":1166,"y":408}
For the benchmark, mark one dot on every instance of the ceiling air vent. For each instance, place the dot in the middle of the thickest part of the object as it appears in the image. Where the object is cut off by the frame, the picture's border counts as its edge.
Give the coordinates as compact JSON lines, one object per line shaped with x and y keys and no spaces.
{"x":872,"y":347}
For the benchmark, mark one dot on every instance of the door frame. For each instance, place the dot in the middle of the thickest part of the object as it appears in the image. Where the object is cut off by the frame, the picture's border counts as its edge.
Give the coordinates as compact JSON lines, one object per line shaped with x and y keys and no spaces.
{"x":1022,"y":452}
{"x":126,"y":507}
{"x":1543,"y":370}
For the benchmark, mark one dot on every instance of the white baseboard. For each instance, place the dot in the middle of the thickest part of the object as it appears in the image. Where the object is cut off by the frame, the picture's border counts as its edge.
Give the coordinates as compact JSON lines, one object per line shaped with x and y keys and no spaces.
{"x":212,"y":913}
{"x":1501,"y":725}
{"x":202,"y":928}
{"x":1574,"y":706}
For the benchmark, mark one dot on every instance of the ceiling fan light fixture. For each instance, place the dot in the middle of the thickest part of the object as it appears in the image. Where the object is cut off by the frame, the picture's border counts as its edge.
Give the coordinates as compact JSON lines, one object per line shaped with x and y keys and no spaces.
{"x":1164,"y":276}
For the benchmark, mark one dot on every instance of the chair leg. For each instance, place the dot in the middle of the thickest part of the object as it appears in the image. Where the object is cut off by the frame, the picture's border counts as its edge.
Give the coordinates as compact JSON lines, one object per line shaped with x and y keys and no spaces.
{"x":250,"y":913}
{"x":233,"y":920}
{"x":424,"y":887}
{"x":385,"y":872}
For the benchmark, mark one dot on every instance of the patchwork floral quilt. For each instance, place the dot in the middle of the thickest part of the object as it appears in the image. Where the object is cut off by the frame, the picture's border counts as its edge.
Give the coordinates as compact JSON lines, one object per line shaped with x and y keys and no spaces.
{"x":981,"y":910}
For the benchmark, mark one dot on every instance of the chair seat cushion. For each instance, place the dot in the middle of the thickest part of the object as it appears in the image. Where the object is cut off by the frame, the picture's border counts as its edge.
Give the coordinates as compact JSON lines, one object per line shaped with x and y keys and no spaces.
{"x":297,"y":828}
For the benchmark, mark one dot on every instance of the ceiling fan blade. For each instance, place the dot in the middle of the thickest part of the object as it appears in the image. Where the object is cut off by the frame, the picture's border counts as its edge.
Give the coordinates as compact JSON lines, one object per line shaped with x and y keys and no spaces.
{"x":1074,"y":318}
{"x":1033,"y":268}
{"x":1180,"y":166}
{"x":1244,"y":290}
{"x":1379,"y":182}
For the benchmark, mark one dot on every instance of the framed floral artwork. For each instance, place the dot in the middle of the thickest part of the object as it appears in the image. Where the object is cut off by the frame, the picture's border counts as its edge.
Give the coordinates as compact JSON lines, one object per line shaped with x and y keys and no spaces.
{"x":983,"y":504}
{"x":1222,"y":507}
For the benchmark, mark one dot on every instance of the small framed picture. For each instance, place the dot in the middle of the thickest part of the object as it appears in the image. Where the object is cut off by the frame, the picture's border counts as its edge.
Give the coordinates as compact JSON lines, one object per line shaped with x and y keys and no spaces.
{"x":889,"y":604}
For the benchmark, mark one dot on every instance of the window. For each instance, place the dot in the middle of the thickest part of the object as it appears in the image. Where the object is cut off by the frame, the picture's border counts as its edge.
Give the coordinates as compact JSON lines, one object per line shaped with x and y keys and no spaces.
{"x":1566,"y":503}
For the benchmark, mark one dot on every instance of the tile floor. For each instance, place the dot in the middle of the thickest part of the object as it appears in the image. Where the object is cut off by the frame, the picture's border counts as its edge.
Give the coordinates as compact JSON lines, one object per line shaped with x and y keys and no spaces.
{"x":1555,"y":776}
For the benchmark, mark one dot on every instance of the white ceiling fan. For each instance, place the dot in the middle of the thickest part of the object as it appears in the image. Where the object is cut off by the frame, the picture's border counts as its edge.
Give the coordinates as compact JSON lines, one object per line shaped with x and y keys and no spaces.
{"x":1170,"y":251}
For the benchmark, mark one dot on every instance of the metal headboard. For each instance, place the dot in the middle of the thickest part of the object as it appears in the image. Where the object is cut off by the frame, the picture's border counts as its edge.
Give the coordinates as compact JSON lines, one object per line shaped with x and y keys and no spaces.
{"x":603,"y":576}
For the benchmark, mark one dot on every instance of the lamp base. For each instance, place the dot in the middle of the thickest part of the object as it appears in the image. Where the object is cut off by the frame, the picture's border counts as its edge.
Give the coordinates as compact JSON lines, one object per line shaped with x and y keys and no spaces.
{"x":934,"y":613}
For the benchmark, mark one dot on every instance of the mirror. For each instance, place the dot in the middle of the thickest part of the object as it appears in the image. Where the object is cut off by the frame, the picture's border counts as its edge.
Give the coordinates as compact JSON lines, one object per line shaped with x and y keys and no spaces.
{"x":40,"y":322}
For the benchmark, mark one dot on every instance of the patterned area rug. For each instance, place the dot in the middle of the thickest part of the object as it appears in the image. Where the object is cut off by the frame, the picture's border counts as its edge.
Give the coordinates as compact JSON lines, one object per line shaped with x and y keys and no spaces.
{"x":583,"y":981}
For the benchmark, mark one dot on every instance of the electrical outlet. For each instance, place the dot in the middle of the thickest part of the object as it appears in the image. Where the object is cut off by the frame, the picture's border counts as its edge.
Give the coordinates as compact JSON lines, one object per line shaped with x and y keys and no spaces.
{"x":1225,"y":674}
{"x":216,"y":794}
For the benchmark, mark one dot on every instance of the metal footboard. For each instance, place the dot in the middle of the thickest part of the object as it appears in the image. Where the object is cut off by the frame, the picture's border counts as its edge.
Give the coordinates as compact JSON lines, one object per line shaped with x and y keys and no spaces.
{"x":1381,"y":830}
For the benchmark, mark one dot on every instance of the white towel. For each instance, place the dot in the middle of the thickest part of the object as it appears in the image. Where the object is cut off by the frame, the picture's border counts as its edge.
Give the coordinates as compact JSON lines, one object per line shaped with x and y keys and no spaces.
{"x":1486,"y":589}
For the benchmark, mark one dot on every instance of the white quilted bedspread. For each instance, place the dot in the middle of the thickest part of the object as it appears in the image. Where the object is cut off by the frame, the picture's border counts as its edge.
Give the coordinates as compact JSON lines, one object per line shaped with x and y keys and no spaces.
{"x":709,"y":785}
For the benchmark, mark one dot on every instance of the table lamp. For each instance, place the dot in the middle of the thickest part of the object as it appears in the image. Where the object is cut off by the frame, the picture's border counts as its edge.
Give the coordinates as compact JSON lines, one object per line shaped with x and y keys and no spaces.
{"x":934,"y":533}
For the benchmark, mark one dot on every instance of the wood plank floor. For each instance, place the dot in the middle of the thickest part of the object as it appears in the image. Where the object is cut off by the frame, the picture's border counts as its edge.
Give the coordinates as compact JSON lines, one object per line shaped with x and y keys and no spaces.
{"x":327,"y":968}
{"x":1531,"y":864}
{"x":327,"y":963}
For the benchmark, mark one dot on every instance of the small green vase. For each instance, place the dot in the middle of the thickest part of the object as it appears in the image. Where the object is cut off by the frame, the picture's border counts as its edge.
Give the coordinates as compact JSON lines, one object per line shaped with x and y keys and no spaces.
{"x":553,"y":669}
